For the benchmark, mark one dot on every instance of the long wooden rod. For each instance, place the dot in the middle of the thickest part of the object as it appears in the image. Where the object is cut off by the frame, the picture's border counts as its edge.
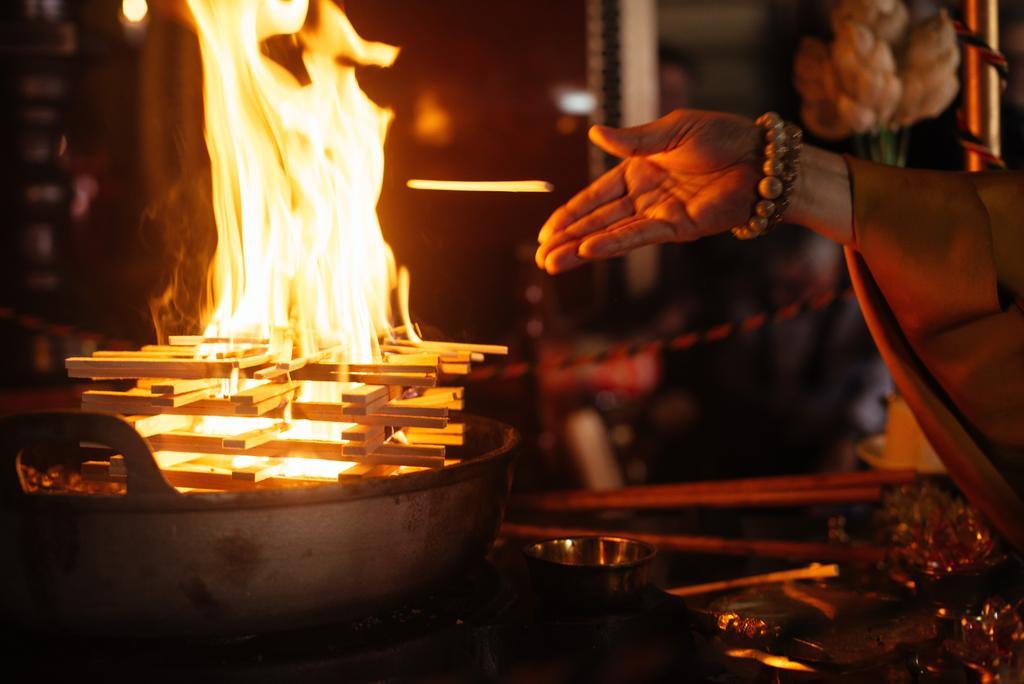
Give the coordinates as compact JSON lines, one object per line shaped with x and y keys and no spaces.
{"x":771,"y":548}
{"x":784,"y":490}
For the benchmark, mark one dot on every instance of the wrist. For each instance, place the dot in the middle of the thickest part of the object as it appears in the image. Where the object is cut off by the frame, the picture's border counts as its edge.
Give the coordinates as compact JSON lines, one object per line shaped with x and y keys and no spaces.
{"x":821,"y":199}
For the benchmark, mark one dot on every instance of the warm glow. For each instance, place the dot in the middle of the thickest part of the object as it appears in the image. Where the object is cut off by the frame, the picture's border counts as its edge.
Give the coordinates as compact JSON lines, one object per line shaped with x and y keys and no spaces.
{"x":134,"y":10}
{"x":295,"y":467}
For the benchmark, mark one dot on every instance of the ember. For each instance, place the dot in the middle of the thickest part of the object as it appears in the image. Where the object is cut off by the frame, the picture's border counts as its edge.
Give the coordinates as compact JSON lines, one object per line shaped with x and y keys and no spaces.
{"x":299,"y":374}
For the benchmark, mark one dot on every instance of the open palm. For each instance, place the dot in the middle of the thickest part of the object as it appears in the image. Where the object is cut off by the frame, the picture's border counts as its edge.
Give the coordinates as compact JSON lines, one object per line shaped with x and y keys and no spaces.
{"x":684,"y":176}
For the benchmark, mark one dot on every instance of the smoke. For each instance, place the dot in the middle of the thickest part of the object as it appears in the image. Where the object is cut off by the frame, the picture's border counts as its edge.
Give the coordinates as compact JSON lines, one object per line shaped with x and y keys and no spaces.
{"x":182,"y":225}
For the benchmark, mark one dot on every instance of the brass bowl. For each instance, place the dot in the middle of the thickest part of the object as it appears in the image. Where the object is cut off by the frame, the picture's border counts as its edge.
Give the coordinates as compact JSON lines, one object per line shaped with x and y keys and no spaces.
{"x":589,"y":574}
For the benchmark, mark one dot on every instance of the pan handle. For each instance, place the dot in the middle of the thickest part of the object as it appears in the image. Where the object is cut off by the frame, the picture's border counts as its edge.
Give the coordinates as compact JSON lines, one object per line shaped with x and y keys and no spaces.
{"x":24,"y":430}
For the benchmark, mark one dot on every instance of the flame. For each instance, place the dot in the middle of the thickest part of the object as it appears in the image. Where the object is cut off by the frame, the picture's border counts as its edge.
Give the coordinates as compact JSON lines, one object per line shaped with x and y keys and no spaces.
{"x":297,"y":162}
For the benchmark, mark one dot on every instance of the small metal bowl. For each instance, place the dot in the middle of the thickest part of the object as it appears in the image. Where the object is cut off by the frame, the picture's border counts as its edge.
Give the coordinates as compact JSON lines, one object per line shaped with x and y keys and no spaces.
{"x":589,"y":574}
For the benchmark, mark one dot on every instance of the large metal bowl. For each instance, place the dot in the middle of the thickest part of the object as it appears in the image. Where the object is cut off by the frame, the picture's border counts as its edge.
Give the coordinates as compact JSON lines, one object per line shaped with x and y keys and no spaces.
{"x":155,"y":562}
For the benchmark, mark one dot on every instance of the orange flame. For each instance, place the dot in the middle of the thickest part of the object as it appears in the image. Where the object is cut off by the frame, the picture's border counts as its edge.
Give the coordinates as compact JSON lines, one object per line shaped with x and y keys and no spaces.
{"x":297,"y":163}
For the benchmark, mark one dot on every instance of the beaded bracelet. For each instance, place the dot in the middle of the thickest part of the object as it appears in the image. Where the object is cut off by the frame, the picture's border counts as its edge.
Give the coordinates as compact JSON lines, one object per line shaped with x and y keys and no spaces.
{"x":781,"y":164}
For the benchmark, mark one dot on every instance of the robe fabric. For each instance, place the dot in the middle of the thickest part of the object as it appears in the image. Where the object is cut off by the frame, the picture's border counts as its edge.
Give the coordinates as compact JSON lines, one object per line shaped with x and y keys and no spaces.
{"x":938,"y":267}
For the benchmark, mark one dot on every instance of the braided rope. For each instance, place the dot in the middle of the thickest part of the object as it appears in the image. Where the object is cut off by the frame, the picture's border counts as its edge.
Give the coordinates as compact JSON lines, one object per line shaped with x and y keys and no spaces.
{"x":38,"y":324}
{"x":514,"y":370}
{"x":679,"y":342}
{"x":997,"y":60}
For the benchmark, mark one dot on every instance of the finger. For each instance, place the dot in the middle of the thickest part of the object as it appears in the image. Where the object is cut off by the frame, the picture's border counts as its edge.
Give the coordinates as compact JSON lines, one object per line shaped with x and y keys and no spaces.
{"x":563,"y":258}
{"x":649,"y":138}
{"x":610,"y":186}
{"x":625,"y":237}
{"x":599,"y":219}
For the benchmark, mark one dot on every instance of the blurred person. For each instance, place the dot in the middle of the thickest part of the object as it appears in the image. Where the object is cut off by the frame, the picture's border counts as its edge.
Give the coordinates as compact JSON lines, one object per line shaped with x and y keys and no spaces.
{"x":677,"y":78}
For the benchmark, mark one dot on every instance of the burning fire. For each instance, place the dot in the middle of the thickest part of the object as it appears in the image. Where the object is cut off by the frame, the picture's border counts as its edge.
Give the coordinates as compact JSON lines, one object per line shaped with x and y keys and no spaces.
{"x":297,"y":164}
{"x":297,"y":159}
{"x":300,"y":285}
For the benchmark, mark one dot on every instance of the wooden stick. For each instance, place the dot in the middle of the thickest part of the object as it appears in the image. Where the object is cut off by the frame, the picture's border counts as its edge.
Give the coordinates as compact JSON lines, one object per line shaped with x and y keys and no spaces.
{"x":184,"y":399}
{"x":325,"y":372}
{"x":139,"y":402}
{"x":450,"y":429}
{"x":178,"y":352}
{"x":161,"y":422}
{"x":399,"y":407}
{"x":770,"y":548}
{"x":99,"y":471}
{"x":169,"y":348}
{"x":257,"y":472}
{"x":356,"y":472}
{"x":382,"y":471}
{"x":202,"y":478}
{"x":87,"y":367}
{"x":260,"y":393}
{"x":239,"y":352}
{"x":419,"y":359}
{"x":292,"y":365}
{"x":426,"y":345}
{"x":169,"y":459}
{"x":398,"y":352}
{"x":363,"y":395}
{"x":455,"y":368}
{"x":443,"y":439}
{"x":196,"y":340}
{"x":786,"y":490}
{"x":188,"y":442}
{"x":404,"y":458}
{"x":721,"y":499}
{"x":336,"y":413}
{"x":171,"y":386}
{"x":254,"y":438}
{"x":812,"y":571}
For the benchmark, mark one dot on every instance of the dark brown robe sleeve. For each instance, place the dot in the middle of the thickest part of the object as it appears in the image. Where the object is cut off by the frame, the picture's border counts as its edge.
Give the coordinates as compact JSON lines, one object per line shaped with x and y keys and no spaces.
{"x":944,"y":250}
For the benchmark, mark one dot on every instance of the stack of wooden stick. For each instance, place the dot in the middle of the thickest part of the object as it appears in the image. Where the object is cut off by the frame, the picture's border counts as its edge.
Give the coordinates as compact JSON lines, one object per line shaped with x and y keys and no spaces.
{"x":203,"y":402}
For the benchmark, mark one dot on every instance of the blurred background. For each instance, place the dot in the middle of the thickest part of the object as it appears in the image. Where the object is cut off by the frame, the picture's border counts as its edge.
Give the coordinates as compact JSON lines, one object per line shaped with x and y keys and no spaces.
{"x":104,"y":177}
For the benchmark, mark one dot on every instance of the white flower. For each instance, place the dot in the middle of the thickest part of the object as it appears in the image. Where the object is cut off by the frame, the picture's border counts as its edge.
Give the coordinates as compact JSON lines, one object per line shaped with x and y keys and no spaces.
{"x":860,"y":83}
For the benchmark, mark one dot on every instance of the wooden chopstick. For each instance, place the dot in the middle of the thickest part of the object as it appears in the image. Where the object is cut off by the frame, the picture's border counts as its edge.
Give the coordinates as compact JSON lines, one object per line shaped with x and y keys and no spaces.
{"x":769,"y":548}
{"x":812,"y":571}
{"x":785,"y":490}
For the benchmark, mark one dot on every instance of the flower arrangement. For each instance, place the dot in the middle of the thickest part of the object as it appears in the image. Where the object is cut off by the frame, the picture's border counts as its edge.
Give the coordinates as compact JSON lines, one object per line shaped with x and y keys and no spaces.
{"x":878,"y":76}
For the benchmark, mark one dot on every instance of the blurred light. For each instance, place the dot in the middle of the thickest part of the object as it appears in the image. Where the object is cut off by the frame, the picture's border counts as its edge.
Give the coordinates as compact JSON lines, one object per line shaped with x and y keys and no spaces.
{"x":622,"y":435}
{"x":534,"y":293}
{"x":575,"y":101}
{"x":480,"y":186}
{"x":776,"y":661}
{"x":535,"y":327}
{"x":432,"y":123}
{"x":134,"y":10}
{"x":567,"y":125}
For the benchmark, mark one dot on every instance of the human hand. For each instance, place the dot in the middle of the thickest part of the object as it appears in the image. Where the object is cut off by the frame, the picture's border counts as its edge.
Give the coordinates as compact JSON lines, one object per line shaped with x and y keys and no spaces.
{"x":685,"y":176}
